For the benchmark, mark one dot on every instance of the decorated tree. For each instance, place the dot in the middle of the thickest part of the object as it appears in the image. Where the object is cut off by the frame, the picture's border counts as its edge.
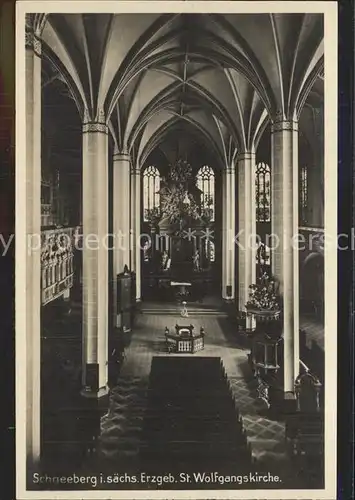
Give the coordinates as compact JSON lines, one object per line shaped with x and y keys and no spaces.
{"x":264,"y":294}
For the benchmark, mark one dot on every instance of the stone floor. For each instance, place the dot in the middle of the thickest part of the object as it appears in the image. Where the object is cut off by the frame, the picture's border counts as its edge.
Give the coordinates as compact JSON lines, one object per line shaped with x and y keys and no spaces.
{"x":120,"y":436}
{"x":314,"y":331}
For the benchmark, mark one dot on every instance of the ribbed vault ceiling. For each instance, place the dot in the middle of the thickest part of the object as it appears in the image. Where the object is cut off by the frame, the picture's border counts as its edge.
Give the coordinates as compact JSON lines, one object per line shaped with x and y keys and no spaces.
{"x":218,"y":79}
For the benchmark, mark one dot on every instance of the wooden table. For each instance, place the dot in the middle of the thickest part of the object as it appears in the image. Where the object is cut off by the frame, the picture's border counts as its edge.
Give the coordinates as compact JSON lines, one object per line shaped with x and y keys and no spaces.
{"x":181,"y":288}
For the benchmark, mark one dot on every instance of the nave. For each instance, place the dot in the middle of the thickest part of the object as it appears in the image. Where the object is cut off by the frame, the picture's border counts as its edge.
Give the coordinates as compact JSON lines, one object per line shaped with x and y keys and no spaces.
{"x":159,"y":149}
{"x":125,"y":434}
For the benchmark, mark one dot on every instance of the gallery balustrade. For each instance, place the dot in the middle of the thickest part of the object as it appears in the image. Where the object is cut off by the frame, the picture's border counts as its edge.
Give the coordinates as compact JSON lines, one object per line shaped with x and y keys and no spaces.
{"x":57,"y":269}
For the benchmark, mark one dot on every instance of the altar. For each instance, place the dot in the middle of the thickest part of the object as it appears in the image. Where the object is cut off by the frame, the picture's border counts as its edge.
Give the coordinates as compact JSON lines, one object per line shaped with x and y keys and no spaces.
{"x":182,"y":288}
{"x":180,"y":261}
{"x":184,"y":339}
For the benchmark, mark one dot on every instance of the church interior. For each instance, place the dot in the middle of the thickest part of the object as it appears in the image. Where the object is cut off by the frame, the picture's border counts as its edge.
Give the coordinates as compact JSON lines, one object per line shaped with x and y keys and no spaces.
{"x":166,"y":331}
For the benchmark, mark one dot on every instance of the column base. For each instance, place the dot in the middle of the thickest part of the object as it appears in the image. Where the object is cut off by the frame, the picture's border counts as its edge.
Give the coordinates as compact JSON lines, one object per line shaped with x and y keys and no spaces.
{"x":94,"y":407}
{"x":124,"y":321}
{"x":95,"y":402}
{"x":282,"y":403}
{"x":270,"y":390}
{"x":33,"y":466}
{"x":289,"y":404}
{"x":228,"y":300}
{"x":136,"y":307}
{"x":92,"y":387}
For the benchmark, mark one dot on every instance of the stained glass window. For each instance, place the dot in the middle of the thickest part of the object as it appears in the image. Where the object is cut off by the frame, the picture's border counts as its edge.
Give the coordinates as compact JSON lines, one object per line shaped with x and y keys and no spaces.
{"x":263,"y":193}
{"x":206,"y":183}
{"x":151,"y":186}
{"x":303,"y":195}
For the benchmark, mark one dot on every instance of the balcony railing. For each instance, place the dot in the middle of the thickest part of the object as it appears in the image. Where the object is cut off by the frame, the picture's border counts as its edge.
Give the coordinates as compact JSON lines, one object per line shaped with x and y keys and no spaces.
{"x":57,"y":271}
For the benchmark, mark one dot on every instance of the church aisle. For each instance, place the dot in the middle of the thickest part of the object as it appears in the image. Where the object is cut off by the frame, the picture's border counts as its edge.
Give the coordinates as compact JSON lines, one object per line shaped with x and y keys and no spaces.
{"x":120,"y":434}
{"x":148,"y":340}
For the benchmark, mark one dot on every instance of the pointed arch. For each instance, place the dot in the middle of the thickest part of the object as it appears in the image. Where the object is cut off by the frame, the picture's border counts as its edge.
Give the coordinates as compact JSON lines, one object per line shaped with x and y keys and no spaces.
{"x":263,"y":192}
{"x":206,"y":183}
{"x":151,"y":187}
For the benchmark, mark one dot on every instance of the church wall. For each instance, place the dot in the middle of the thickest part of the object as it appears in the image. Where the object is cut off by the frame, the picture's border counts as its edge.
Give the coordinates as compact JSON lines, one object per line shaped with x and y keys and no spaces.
{"x":61,"y":178}
{"x":311,"y":156}
{"x":311,"y":272}
{"x":311,"y":260}
{"x":315,"y":203}
{"x":218,"y":229}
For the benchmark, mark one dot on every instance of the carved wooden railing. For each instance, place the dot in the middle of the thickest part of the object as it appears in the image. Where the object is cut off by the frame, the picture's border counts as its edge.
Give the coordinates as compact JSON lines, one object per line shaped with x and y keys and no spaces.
{"x":304,"y":429}
{"x":266,"y":383}
{"x":57,"y":271}
{"x":306,"y":376}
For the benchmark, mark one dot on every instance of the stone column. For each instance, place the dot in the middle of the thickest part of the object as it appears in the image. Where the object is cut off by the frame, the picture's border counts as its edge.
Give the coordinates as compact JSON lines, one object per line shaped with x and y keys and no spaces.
{"x":95,"y":259}
{"x":284,"y":257}
{"x":228,"y":233}
{"x":247,"y":226}
{"x":121,"y":219}
{"x":136,"y":227}
{"x":223,"y":236}
{"x":32,"y":248}
{"x":132,"y":245}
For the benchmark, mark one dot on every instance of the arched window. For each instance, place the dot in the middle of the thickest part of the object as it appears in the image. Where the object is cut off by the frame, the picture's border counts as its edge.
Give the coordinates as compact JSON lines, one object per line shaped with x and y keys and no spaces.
{"x":205,"y":182}
{"x":303,"y":195}
{"x":263,"y":193}
{"x":151,"y":186}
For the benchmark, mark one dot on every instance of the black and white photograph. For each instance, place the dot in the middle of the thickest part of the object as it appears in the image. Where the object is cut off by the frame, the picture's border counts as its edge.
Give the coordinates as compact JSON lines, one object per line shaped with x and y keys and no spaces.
{"x":176,"y":249}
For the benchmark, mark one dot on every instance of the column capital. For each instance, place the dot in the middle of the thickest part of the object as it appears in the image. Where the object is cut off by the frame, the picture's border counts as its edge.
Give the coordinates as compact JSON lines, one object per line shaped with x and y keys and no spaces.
{"x":121,"y":156}
{"x":135,"y":170}
{"x":229,"y":170}
{"x":32,"y":42}
{"x":97,"y":125}
{"x":280,"y":125}
{"x":34,"y":25}
{"x":247,"y":155}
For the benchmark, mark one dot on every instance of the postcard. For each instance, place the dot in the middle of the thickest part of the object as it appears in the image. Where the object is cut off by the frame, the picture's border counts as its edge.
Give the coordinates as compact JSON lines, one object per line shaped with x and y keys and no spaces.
{"x":176,"y":249}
